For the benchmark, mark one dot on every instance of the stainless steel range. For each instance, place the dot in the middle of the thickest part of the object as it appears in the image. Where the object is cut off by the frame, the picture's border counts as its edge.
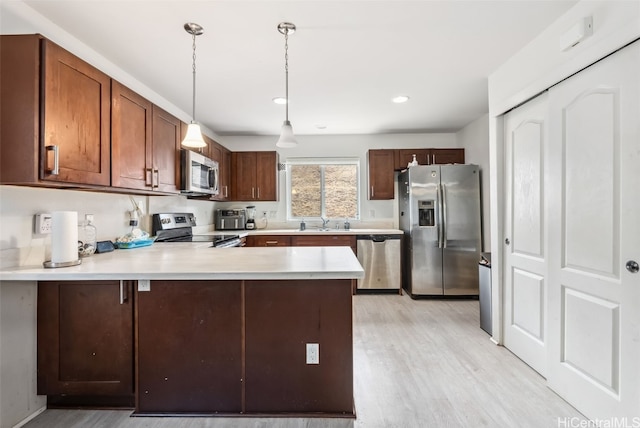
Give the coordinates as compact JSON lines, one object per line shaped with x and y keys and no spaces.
{"x":178,"y":227}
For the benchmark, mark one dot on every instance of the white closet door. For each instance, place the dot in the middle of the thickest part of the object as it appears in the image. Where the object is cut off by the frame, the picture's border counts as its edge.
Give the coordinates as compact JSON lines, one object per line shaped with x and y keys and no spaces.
{"x":524,"y":246}
{"x":594,"y":301}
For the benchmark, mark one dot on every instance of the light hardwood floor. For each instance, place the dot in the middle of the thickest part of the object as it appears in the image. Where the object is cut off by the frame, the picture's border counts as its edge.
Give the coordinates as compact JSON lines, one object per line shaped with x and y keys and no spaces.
{"x":417,"y":363}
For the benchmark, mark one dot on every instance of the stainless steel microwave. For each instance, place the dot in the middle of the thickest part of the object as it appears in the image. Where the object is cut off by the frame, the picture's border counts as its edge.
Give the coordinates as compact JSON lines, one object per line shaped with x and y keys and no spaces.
{"x":199,"y":175}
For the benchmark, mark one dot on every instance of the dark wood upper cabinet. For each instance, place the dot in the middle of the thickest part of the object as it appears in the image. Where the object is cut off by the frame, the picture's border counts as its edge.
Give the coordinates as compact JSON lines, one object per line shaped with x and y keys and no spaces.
{"x":225,"y":175}
{"x":166,"y":151}
{"x":381,"y":178}
{"x":131,"y":139}
{"x":85,"y":338}
{"x":404,"y":156}
{"x":145,"y":143}
{"x":255,"y":176}
{"x":444,"y":156}
{"x":427,"y":157}
{"x":55,"y":116}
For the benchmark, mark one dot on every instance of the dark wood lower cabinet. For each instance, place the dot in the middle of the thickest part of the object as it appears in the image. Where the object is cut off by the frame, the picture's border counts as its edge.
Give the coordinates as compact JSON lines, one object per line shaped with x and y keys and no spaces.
{"x":85,"y":339}
{"x":281,"y":318}
{"x":190,"y":347}
{"x":201,"y":347}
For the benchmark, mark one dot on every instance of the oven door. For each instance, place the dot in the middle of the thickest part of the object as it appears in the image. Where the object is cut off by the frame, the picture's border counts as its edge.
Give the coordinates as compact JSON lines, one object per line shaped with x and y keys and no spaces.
{"x":199,"y":174}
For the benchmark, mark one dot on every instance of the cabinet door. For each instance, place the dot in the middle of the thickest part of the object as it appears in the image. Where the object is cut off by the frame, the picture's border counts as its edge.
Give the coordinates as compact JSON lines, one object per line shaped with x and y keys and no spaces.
{"x":166,"y":151}
{"x":19,"y":108}
{"x":266,"y":176}
{"x":269,"y":241}
{"x":442,"y":156}
{"x":225,"y":175}
{"x":404,"y":156}
{"x":190,"y":347}
{"x":281,"y":317}
{"x":381,"y":184}
{"x":244,"y":171}
{"x":131,"y":155}
{"x":215,"y":150}
{"x":77,"y":109}
{"x":325,"y":241}
{"x":85,"y":338}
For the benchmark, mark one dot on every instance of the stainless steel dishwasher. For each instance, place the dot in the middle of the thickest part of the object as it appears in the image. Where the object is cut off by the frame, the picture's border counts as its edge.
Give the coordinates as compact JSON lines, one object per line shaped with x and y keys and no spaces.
{"x":379,"y":256}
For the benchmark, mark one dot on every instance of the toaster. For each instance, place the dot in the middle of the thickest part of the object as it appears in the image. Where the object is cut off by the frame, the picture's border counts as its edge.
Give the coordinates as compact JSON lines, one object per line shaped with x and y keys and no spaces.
{"x":230,"y":219}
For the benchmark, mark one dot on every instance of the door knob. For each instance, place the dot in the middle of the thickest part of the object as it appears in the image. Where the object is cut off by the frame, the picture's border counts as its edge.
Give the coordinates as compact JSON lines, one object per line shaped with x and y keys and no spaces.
{"x":632,"y":266}
{"x":506,"y":241}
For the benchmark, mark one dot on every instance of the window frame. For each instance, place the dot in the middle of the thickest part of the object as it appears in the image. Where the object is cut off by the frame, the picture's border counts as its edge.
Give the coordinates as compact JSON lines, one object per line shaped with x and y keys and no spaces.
{"x":321,"y":161}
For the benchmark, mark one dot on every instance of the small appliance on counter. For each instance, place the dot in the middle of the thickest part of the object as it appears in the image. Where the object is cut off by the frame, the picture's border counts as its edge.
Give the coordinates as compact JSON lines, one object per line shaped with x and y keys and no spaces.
{"x":251,"y":217}
{"x":178,"y":227}
{"x":233,"y":219}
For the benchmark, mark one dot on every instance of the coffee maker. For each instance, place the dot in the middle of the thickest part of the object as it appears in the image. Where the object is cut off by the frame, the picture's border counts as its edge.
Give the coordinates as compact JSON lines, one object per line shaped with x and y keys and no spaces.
{"x":251,"y":216}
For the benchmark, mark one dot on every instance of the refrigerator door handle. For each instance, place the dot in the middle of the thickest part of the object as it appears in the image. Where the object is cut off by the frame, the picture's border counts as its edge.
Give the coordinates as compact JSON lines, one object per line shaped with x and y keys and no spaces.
{"x":444,"y":215}
{"x":439,"y":213}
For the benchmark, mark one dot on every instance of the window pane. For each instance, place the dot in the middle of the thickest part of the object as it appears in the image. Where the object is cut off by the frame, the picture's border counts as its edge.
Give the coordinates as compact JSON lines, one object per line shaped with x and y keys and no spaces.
{"x":341,"y":192}
{"x":306,"y":191}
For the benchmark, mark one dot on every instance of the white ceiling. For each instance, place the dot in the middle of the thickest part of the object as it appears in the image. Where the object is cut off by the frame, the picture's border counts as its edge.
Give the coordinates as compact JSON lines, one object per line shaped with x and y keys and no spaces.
{"x":346,"y":61}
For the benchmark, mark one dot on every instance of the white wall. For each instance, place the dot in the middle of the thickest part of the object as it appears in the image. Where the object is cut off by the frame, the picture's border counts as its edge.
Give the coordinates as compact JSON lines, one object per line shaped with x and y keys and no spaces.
{"x":373,"y":213}
{"x":475,"y":139}
{"x":19,"y":246}
{"x":18,"y":397}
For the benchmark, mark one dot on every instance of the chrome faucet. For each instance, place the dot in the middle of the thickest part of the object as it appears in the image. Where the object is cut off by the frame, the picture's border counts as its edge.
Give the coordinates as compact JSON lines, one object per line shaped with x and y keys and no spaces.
{"x":325,"y":222}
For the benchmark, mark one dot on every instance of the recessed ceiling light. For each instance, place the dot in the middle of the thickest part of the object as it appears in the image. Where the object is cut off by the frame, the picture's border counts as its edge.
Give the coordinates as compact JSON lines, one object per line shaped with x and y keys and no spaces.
{"x":280,"y":100}
{"x":321,"y":126}
{"x":400,"y":99}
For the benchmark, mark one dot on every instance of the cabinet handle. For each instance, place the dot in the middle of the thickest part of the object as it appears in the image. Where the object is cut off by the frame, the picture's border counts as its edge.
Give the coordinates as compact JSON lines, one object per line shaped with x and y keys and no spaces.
{"x":258,"y":193}
{"x":226,"y":191}
{"x":148,"y":177}
{"x":372,"y":192}
{"x":123,"y":292}
{"x":155,"y":185}
{"x":271,"y":242}
{"x":433,"y":159}
{"x":253,"y":193}
{"x":56,"y":160}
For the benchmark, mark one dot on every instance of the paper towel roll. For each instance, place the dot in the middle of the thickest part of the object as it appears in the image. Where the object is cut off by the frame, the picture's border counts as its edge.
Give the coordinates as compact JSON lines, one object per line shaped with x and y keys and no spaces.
{"x":64,"y":236}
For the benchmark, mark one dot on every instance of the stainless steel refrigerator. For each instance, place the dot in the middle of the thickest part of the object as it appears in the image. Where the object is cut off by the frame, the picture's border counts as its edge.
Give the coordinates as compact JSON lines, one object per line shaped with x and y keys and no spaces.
{"x":440,"y":215}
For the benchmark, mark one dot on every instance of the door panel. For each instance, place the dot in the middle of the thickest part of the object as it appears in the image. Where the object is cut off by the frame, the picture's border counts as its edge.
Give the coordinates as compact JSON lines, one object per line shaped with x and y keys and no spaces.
{"x":525,"y":264}
{"x":426,"y":256}
{"x":594,"y":302}
{"x":460,"y":187}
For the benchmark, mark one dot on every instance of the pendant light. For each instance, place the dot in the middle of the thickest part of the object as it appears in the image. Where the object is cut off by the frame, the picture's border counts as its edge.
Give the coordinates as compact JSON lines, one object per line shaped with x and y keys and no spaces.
{"x":193,"y":139}
{"x":287,"y":139}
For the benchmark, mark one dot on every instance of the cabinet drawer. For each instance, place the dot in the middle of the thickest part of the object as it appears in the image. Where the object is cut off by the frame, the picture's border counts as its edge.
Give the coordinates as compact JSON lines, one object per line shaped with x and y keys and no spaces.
{"x":325,"y":241}
{"x":268,"y":241}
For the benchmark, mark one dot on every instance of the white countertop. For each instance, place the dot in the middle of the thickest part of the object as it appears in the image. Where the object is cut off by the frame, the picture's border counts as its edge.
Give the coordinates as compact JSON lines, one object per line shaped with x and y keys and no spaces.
{"x":199,"y":261}
{"x":315,"y":231}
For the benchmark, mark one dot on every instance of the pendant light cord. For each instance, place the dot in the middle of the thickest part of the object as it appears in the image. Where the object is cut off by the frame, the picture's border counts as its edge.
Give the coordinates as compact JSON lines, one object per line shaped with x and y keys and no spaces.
{"x":193,"y":106}
{"x":286,"y":72}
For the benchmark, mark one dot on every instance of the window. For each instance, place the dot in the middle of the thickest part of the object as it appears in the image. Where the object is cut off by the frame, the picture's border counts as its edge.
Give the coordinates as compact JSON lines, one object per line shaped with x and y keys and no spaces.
{"x":326,"y":188}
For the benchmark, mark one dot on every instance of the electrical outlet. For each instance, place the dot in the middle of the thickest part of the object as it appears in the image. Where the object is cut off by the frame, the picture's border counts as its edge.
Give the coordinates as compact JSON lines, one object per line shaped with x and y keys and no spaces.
{"x":313,"y":353}
{"x":42,"y":223}
{"x":144,"y":285}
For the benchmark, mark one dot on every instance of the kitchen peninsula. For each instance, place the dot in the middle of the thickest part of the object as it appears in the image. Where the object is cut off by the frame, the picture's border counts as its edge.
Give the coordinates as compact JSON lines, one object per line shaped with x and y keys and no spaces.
{"x":251,"y":331}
